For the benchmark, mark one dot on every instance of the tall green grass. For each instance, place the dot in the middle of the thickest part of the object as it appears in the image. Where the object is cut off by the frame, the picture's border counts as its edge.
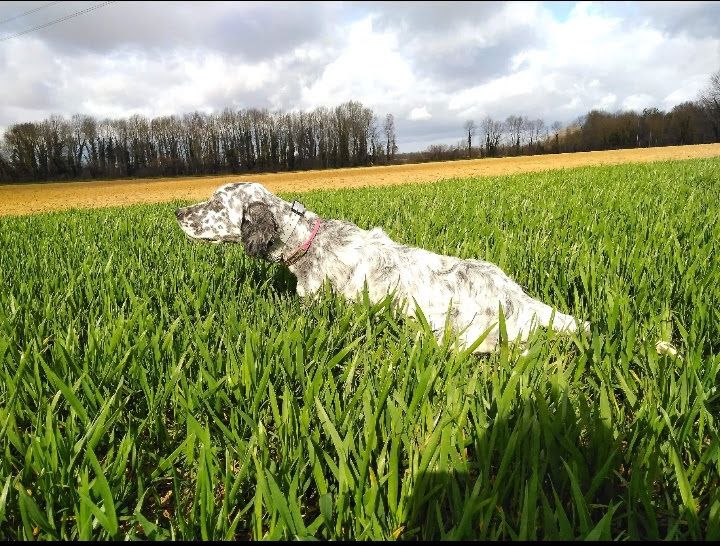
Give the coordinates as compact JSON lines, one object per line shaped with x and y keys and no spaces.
{"x":154,"y":387}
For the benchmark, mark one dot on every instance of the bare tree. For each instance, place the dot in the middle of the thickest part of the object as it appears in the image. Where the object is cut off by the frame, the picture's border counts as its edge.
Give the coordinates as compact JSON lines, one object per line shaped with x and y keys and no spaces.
{"x":389,"y":129}
{"x":470,"y":129}
{"x":493,"y":131}
{"x":535,"y":129}
{"x":556,"y":127}
{"x":528,"y":133}
{"x":376,"y":141}
{"x":515,"y":127}
{"x":710,"y":101}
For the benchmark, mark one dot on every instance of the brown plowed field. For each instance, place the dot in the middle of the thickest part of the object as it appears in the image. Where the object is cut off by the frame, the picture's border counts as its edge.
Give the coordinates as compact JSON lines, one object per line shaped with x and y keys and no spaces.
{"x":30,"y":198}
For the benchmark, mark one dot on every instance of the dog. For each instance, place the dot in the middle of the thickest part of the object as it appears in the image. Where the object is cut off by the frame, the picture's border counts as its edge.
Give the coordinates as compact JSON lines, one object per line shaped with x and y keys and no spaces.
{"x":463,"y":295}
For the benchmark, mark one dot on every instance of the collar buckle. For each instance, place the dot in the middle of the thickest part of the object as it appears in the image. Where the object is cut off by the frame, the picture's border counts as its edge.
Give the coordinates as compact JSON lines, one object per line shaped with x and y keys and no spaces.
{"x":298,"y":208}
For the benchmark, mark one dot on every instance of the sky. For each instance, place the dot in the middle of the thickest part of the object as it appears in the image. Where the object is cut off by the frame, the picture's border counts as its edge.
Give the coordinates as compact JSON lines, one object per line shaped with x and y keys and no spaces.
{"x":433,"y":65}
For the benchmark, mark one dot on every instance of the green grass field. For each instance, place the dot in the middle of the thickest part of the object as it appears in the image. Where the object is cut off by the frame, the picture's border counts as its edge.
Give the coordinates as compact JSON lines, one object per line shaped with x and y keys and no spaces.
{"x":155,"y":387}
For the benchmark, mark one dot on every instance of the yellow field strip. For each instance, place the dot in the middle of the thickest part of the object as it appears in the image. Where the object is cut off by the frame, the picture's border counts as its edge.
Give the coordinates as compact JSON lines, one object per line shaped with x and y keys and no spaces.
{"x":30,"y":198}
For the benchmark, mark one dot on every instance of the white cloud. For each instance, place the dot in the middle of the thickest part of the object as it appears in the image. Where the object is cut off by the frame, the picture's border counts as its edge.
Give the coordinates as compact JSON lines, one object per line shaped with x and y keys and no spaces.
{"x":368,"y":67}
{"x":479,"y":99}
{"x":638,"y":102}
{"x":607,"y":102}
{"x":419,"y":114}
{"x":439,"y":64}
{"x":687,"y":90}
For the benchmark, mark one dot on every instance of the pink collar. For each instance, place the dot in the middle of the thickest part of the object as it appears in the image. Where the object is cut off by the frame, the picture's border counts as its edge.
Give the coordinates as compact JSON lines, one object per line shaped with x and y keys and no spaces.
{"x":300,"y":251}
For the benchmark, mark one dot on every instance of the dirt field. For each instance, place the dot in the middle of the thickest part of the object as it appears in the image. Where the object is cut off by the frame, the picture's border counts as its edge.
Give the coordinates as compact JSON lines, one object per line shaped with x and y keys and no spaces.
{"x":30,"y":198}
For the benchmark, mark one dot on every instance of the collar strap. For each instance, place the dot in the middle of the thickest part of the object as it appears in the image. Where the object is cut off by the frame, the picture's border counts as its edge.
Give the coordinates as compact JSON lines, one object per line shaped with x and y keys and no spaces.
{"x":300,"y":251}
{"x":275,"y":253}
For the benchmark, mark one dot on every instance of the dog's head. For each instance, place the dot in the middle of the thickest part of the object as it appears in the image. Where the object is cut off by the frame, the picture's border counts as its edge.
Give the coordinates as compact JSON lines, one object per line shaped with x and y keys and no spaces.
{"x":244,"y":213}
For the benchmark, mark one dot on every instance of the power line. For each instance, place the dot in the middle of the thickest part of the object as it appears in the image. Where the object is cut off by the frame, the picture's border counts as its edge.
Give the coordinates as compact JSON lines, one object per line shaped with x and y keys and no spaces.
{"x":29,"y":12}
{"x":81,"y":12}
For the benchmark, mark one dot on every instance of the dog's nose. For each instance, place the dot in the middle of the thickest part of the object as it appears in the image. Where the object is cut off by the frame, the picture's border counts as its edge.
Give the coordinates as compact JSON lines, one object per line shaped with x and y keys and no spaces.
{"x":179,"y":214}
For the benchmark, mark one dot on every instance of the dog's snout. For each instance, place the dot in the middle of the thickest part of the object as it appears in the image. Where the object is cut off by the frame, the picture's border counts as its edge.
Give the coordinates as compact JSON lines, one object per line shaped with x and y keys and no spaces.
{"x":179,"y":214}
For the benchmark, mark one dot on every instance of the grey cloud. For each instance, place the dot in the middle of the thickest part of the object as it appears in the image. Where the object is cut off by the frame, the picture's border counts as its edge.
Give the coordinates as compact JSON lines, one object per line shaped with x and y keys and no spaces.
{"x":467,"y":65}
{"x":443,"y":131}
{"x":431,"y":16}
{"x":271,"y":29}
{"x":699,"y":19}
{"x":35,"y":94}
{"x":468,"y":62}
{"x":247,"y":31}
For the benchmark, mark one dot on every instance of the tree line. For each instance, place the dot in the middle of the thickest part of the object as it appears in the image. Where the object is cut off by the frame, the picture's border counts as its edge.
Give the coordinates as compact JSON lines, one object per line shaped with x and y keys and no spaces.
{"x":229,"y":142}
{"x":349,"y":135}
{"x":692,"y":122}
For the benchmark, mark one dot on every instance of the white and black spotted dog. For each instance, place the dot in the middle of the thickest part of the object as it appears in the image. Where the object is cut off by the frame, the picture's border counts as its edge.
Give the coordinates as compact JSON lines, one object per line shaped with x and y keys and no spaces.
{"x":464,"y":294}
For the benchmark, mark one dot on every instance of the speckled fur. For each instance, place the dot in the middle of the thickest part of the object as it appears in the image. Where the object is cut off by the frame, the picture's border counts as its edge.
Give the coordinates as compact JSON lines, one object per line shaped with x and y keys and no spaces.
{"x":464,"y":293}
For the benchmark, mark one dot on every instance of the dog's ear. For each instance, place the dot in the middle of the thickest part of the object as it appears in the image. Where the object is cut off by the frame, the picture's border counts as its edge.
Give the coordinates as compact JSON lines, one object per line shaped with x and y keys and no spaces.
{"x":258,"y":230}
